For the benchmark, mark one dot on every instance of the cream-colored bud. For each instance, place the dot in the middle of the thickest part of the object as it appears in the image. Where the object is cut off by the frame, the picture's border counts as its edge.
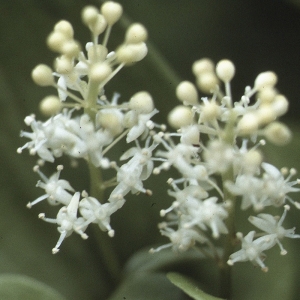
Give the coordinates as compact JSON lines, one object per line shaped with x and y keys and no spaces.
{"x":56,"y":40}
{"x":42,"y":75}
{"x":248,"y":124}
{"x":210,"y":111}
{"x":225,"y":70}
{"x":265,"y":79}
{"x":280,"y":105}
{"x":112,"y":11}
{"x":50,"y":105}
{"x":131,"y":53}
{"x":207,"y":82}
{"x":63,"y":65}
{"x":180,"y":116}
{"x":136,"y":33}
{"x":99,"y":71}
{"x":202,"y":66}
{"x":98,"y":26}
{"x":265,"y":114}
{"x":278,"y":133}
{"x":89,"y":15}
{"x":252,"y":160}
{"x":65,"y":28}
{"x":71,"y":48}
{"x":141,"y":102}
{"x":187,"y":92}
{"x":267,"y":94}
{"x":111,"y":120}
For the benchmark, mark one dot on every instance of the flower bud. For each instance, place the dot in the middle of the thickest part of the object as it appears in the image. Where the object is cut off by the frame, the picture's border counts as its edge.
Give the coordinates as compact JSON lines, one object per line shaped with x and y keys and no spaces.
{"x":111,"y":120}
{"x":42,"y":75}
{"x":56,"y":40}
{"x":65,"y":28}
{"x":50,"y":105}
{"x":202,"y":66}
{"x":63,"y":65}
{"x":141,"y":102}
{"x":278,"y":133}
{"x":187,"y":92}
{"x":180,"y":116}
{"x":89,"y":15}
{"x":99,"y":25}
{"x":71,"y":48}
{"x":265,"y":79}
{"x":265,"y":114}
{"x":111,"y":11}
{"x":225,"y":70}
{"x":209,"y":111}
{"x":280,"y":105}
{"x":267,"y":94}
{"x":131,"y":53}
{"x":248,"y":124}
{"x":136,"y":33}
{"x":207,"y":82}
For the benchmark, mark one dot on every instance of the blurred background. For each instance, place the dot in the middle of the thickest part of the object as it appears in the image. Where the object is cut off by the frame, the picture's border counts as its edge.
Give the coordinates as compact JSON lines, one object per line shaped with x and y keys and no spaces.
{"x":256,"y":35}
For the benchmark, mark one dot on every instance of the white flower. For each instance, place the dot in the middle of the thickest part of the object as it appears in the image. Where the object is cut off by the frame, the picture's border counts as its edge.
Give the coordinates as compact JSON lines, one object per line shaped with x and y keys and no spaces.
{"x":207,"y":213}
{"x":138,"y":129}
{"x":39,"y":140}
{"x":181,"y":239}
{"x":95,"y":212}
{"x":56,"y":190}
{"x":253,"y":250}
{"x":67,"y":221}
{"x":273,"y":225}
{"x":219,"y":156}
{"x":276,"y":187}
{"x":250,"y":188}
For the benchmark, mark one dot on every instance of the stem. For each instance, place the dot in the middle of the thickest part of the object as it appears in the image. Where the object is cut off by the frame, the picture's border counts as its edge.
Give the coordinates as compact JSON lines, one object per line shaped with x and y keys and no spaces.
{"x":109,"y":257}
{"x":91,"y":100}
{"x":229,"y":242}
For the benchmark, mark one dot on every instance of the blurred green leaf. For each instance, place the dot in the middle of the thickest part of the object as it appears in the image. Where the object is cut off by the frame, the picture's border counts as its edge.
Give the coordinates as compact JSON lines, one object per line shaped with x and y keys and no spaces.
{"x":15,"y":287}
{"x":147,"y":286}
{"x":185,"y":284}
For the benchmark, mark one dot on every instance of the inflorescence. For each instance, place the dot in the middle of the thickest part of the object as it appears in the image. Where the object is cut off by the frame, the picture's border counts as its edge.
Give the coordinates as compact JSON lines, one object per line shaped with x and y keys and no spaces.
{"x":217,"y":140}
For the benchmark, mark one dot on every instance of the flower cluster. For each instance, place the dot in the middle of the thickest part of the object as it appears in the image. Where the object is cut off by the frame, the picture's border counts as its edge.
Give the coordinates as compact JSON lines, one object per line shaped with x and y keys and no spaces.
{"x":84,"y":124}
{"x":216,"y":149}
{"x":218,"y":168}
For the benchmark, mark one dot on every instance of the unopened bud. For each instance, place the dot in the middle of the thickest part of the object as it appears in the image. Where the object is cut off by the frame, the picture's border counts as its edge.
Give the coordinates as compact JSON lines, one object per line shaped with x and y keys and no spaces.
{"x":141,"y":102}
{"x":180,"y":116}
{"x":42,"y":75}
{"x":187,"y":92}
{"x":111,"y":11}
{"x":225,"y":70}
{"x":136,"y":33}
{"x":50,"y":105}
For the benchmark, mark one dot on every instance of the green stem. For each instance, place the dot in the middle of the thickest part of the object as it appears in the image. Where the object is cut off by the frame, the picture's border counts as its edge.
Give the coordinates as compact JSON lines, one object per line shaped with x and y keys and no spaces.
{"x":229,"y":242}
{"x":109,"y":257}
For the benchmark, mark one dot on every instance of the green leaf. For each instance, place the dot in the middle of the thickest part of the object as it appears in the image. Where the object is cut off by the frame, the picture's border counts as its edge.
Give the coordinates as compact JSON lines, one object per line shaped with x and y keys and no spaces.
{"x":189,"y":287}
{"x":13,"y":287}
{"x":146,"y":286}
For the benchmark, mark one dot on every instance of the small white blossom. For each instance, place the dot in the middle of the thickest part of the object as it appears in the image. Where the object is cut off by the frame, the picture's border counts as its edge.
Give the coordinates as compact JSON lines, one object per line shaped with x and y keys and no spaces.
{"x":252,"y":250}
{"x":67,"y":221}
{"x":273,"y":225}
{"x":56,"y":190}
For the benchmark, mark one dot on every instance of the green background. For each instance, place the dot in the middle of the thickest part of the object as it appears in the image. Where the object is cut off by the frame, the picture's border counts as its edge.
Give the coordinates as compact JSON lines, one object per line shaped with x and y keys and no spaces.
{"x":256,"y":35}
